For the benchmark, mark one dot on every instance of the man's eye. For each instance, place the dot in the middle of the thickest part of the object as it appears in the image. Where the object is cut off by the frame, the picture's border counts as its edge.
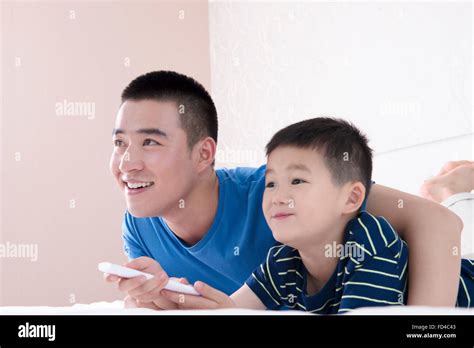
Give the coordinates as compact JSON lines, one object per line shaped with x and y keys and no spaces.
{"x":118,"y":143}
{"x":150,"y":142}
{"x":297,"y":181}
{"x":270,"y":185}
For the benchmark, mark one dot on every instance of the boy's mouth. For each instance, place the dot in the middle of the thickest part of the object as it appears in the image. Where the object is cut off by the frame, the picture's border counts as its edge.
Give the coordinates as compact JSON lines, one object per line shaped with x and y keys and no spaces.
{"x":281,"y":216}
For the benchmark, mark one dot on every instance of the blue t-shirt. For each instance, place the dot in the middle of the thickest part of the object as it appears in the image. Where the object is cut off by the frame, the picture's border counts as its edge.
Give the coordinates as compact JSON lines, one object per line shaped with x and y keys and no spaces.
{"x":236,"y":243}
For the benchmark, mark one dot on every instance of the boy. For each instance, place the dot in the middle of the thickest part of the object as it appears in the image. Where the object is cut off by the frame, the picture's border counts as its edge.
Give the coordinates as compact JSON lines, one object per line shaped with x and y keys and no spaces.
{"x":333,"y":255}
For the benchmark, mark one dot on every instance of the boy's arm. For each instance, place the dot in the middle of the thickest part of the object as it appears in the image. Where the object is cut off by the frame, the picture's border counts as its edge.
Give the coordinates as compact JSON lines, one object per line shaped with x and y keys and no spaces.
{"x":256,"y":293}
{"x":246,"y":298}
{"x":214,"y":299}
{"x":432,"y":233}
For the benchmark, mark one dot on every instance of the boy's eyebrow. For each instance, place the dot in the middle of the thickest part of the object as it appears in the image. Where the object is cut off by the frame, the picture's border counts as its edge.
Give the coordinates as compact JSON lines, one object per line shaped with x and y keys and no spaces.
{"x":298,"y":167}
{"x":149,"y":131}
{"x":290,"y":167}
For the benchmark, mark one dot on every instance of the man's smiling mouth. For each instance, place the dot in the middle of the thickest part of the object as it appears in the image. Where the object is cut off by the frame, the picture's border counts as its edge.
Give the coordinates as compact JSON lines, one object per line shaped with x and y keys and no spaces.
{"x":134,"y":187}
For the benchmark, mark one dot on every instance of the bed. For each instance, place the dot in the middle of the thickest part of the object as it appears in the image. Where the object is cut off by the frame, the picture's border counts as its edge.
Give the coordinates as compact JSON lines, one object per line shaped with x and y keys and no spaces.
{"x":116,"y":308}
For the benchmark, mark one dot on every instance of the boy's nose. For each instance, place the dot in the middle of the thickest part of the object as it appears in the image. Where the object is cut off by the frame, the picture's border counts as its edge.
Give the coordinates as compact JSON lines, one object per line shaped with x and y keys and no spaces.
{"x":280,"y":199}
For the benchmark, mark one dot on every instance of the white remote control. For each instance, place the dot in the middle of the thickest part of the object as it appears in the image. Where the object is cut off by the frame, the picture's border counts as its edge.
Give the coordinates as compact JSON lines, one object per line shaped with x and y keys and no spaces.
{"x":125,"y":272}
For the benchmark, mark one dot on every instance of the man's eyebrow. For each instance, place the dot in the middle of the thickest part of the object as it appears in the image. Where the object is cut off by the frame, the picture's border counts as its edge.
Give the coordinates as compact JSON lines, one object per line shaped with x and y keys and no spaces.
{"x":152,"y":131}
{"x":148,"y":131}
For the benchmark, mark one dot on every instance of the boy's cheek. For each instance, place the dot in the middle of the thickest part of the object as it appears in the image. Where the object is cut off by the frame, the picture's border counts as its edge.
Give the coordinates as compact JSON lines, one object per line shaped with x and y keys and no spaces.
{"x":266,"y":205}
{"x":267,"y":217}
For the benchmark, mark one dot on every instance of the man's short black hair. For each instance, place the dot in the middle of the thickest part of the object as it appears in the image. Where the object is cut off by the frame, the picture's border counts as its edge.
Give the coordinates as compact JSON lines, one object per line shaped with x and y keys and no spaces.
{"x":198,"y":115}
{"x":344,"y":148}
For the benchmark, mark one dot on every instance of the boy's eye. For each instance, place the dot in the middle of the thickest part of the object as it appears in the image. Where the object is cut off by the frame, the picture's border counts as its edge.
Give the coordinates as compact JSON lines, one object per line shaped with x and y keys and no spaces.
{"x":118,"y":143}
{"x":150,"y":142}
{"x":297,"y":181}
{"x":270,"y":185}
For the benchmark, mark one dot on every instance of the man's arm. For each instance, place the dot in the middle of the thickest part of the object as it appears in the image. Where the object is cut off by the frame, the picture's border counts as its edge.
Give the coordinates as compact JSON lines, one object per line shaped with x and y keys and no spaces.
{"x":433,"y":234}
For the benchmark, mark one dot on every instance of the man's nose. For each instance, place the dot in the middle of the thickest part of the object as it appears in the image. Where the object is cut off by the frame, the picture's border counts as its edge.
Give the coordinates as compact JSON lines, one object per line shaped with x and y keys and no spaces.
{"x":130,"y":161}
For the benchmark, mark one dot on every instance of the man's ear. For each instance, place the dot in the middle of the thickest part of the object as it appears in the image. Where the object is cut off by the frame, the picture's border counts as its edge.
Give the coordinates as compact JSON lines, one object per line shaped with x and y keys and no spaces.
{"x":206,"y":153}
{"x":355,"y":195}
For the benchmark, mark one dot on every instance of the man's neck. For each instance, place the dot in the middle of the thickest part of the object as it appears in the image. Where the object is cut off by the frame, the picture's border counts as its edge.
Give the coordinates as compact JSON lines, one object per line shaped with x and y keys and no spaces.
{"x":191,"y":221}
{"x":318,"y":263}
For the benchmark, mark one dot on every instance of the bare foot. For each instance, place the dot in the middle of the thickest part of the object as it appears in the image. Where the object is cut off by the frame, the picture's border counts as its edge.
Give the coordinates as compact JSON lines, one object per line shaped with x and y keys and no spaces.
{"x":455,"y":177}
{"x":449,"y":166}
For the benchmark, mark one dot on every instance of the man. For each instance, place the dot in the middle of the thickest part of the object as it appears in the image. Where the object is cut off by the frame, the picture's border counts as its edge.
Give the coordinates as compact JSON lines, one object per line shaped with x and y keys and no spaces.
{"x":189,"y":220}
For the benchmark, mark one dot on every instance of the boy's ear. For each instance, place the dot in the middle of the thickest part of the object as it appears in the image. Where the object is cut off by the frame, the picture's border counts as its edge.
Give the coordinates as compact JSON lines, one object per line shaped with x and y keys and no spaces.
{"x":355,"y":197}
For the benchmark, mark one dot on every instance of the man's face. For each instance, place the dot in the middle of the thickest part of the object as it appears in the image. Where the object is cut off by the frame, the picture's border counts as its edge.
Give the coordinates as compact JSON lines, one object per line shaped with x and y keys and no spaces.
{"x":300,"y":202}
{"x":151,"y":160}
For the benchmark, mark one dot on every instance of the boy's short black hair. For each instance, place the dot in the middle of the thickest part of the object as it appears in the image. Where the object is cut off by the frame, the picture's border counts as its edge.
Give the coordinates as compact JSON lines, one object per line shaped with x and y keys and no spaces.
{"x":198,"y":115}
{"x":344,"y":148}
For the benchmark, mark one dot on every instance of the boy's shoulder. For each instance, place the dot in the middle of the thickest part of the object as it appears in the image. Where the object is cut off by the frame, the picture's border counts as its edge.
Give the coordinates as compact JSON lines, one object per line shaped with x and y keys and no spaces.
{"x":373,"y":235}
{"x":280,"y":250}
{"x":282,"y":256}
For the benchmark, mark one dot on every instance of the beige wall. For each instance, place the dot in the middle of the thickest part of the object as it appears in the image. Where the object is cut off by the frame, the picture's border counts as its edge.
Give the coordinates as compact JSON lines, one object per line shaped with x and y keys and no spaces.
{"x":57,"y":194}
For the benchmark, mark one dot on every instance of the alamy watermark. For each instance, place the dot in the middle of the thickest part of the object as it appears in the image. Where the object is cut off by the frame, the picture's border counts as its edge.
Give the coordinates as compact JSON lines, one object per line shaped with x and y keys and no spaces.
{"x":13,"y":250}
{"x":75,"y":108}
{"x":230,"y":156}
{"x":397,"y":108}
{"x":350,"y":250}
{"x":28,"y":330}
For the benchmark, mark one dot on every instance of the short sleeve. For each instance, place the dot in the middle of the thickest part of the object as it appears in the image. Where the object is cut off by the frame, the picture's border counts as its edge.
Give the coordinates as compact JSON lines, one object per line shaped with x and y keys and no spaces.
{"x":261,"y":284}
{"x":379,"y":281}
{"x":131,"y":245}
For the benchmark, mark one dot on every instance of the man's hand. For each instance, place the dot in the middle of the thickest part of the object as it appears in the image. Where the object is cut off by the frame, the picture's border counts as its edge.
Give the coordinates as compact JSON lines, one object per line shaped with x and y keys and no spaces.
{"x":145,"y":293}
{"x":210,"y":298}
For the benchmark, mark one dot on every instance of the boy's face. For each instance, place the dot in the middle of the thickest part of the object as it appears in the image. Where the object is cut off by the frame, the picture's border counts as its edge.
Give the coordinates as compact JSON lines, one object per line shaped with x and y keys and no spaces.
{"x":300,"y":202}
{"x":150,"y":147}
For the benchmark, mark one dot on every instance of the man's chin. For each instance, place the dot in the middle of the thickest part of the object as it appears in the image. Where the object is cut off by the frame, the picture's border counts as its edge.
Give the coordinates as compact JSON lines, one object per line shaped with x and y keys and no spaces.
{"x":141,"y":212}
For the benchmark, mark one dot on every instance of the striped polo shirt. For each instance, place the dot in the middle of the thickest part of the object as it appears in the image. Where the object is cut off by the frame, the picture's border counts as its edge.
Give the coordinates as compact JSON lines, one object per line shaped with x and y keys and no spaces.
{"x":371,"y":271}
{"x":466,"y":284}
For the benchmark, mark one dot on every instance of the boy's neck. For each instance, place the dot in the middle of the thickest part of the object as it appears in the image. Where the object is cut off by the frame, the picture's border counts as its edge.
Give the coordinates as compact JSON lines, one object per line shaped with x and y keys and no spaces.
{"x":191,"y":222}
{"x":319,"y":265}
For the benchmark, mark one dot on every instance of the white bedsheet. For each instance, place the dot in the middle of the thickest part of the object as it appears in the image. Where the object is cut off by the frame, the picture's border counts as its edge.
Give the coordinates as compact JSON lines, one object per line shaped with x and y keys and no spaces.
{"x":116,"y":308}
